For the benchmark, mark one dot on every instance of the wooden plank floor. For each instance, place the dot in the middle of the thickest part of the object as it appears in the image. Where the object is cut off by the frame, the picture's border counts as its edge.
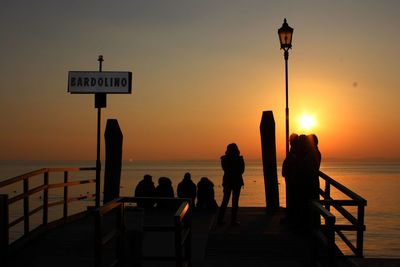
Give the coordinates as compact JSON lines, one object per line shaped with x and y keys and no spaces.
{"x":259,"y":240}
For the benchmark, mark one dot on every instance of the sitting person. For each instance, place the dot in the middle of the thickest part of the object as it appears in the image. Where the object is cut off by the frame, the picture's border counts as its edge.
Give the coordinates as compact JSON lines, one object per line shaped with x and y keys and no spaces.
{"x":206,"y":195}
{"x":145,"y":188}
{"x":164,"y":189}
{"x":187,"y":189}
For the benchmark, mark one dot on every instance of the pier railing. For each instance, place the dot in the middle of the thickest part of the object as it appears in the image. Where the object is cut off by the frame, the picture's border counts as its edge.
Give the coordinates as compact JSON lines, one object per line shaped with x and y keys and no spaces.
{"x":104,"y":237}
{"x":28,"y":191}
{"x":329,"y":228}
{"x":356,"y":222}
{"x":118,"y":209}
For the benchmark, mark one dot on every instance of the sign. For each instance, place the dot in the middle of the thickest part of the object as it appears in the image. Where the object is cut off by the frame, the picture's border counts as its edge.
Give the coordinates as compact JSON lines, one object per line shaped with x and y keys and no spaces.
{"x":91,"y":82}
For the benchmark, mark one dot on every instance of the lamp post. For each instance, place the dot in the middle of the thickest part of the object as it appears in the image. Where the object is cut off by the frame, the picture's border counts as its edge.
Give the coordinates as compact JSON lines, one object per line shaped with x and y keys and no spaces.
{"x":285,"y":37}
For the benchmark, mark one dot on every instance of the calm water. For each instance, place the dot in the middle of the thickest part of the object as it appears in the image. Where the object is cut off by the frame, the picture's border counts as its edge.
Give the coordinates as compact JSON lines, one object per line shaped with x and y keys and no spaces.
{"x":378,"y":182}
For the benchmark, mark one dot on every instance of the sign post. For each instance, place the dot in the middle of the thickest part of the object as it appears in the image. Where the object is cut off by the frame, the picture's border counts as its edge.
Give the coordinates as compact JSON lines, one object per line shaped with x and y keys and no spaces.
{"x":100,"y":101}
{"x":99,"y":83}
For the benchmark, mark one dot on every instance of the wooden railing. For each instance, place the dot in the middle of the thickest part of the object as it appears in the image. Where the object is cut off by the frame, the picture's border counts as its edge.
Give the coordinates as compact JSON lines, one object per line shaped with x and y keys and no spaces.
{"x":328,"y":228}
{"x":356,"y":222}
{"x":27,"y":192}
{"x":103,"y":237}
{"x":181,"y":229}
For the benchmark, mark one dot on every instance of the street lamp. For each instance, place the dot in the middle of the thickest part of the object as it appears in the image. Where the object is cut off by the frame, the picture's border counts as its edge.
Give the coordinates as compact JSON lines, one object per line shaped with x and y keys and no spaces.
{"x":285,"y":38}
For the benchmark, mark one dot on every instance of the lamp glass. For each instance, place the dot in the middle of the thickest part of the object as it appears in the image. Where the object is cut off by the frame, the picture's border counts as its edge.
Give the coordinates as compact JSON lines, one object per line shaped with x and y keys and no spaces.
{"x":285,"y":35}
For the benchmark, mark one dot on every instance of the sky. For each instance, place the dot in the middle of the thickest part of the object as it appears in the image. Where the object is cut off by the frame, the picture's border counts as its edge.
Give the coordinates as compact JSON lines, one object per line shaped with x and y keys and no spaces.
{"x":203,"y":73}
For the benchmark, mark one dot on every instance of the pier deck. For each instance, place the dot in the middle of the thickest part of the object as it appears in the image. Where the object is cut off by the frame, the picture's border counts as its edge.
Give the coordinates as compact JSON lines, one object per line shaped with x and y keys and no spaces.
{"x":260,"y":240}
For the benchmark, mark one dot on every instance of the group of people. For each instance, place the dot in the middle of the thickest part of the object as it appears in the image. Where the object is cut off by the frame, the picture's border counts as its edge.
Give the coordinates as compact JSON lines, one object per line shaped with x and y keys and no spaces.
{"x":301,"y":171}
{"x":233,"y":166}
{"x":203,"y":191}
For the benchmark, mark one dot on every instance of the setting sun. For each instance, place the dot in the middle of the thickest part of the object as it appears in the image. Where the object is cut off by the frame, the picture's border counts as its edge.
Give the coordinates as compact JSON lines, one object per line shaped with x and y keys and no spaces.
{"x":307,"y":122}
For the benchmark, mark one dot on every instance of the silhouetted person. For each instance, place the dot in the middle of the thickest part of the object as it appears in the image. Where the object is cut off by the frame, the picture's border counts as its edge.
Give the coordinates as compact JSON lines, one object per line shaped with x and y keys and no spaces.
{"x":309,"y":160}
{"x":186,"y":188}
{"x":313,"y":159}
{"x":145,"y":188}
{"x":164,"y":189}
{"x":206,"y":195}
{"x":289,"y":169}
{"x":233,"y":165}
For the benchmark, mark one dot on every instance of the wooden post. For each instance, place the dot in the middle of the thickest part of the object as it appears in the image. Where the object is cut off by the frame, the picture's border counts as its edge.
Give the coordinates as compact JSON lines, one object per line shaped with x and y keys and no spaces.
{"x":45,"y":198}
{"x":360,"y":231}
{"x":98,"y":246}
{"x":188,"y":241}
{"x":268,"y":146}
{"x":112,"y":172}
{"x":120,"y":248}
{"x":178,"y":242}
{"x":327,"y":194}
{"x":65,"y":205}
{"x":26,"y":206}
{"x":4,"y":228}
{"x":331,"y":240}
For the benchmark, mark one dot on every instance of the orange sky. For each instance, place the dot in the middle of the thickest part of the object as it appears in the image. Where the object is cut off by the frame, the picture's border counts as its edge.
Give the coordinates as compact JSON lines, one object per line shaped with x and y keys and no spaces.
{"x":203,"y":73}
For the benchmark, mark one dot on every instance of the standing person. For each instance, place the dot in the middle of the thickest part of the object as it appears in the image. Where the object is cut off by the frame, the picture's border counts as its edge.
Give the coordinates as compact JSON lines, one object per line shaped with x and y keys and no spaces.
{"x":308,"y":175}
{"x":302,"y":184}
{"x":289,"y":171}
{"x":313,"y":161}
{"x":232,"y":164}
{"x":186,"y":188}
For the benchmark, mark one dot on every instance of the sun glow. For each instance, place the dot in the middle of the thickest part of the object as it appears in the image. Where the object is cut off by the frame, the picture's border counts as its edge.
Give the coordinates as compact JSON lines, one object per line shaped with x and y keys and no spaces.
{"x":307,"y":122}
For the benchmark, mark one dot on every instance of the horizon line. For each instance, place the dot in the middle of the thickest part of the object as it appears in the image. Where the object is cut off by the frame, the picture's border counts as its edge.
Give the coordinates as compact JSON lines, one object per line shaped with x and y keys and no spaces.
{"x":365,"y":159}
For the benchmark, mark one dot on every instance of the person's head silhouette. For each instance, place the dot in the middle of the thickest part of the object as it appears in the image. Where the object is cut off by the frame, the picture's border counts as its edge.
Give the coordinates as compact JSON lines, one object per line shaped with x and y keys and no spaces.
{"x":187,"y":176}
{"x":293,"y":140}
{"x":147,"y":178}
{"x":232,"y":150}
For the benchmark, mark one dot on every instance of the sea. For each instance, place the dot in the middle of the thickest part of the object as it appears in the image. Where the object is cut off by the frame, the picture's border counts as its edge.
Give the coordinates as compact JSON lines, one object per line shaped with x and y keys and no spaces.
{"x":378,"y":181}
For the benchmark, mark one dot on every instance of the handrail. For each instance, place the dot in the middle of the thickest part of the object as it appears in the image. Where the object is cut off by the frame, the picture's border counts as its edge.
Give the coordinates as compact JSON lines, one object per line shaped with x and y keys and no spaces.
{"x":356,"y":221}
{"x":328,"y":216}
{"x":343,"y":189}
{"x":181,"y":228}
{"x":102,"y":239}
{"x":21,"y":177}
{"x":183,"y":234}
{"x":181,"y":212}
{"x":5,"y":201}
{"x":330,"y":221}
{"x":42,"y":171}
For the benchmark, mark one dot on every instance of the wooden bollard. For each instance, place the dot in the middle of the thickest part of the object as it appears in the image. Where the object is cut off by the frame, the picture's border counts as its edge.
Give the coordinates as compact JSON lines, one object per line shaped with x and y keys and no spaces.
{"x":112,"y":171}
{"x":268,"y":146}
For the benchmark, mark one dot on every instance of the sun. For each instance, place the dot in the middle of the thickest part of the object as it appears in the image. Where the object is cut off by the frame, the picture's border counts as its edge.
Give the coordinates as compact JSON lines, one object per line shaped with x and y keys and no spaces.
{"x":307,"y":122}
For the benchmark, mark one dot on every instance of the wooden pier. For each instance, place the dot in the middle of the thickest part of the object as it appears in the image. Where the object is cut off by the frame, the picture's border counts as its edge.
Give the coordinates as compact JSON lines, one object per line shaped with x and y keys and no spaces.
{"x":120,"y":233}
{"x":260,"y":240}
